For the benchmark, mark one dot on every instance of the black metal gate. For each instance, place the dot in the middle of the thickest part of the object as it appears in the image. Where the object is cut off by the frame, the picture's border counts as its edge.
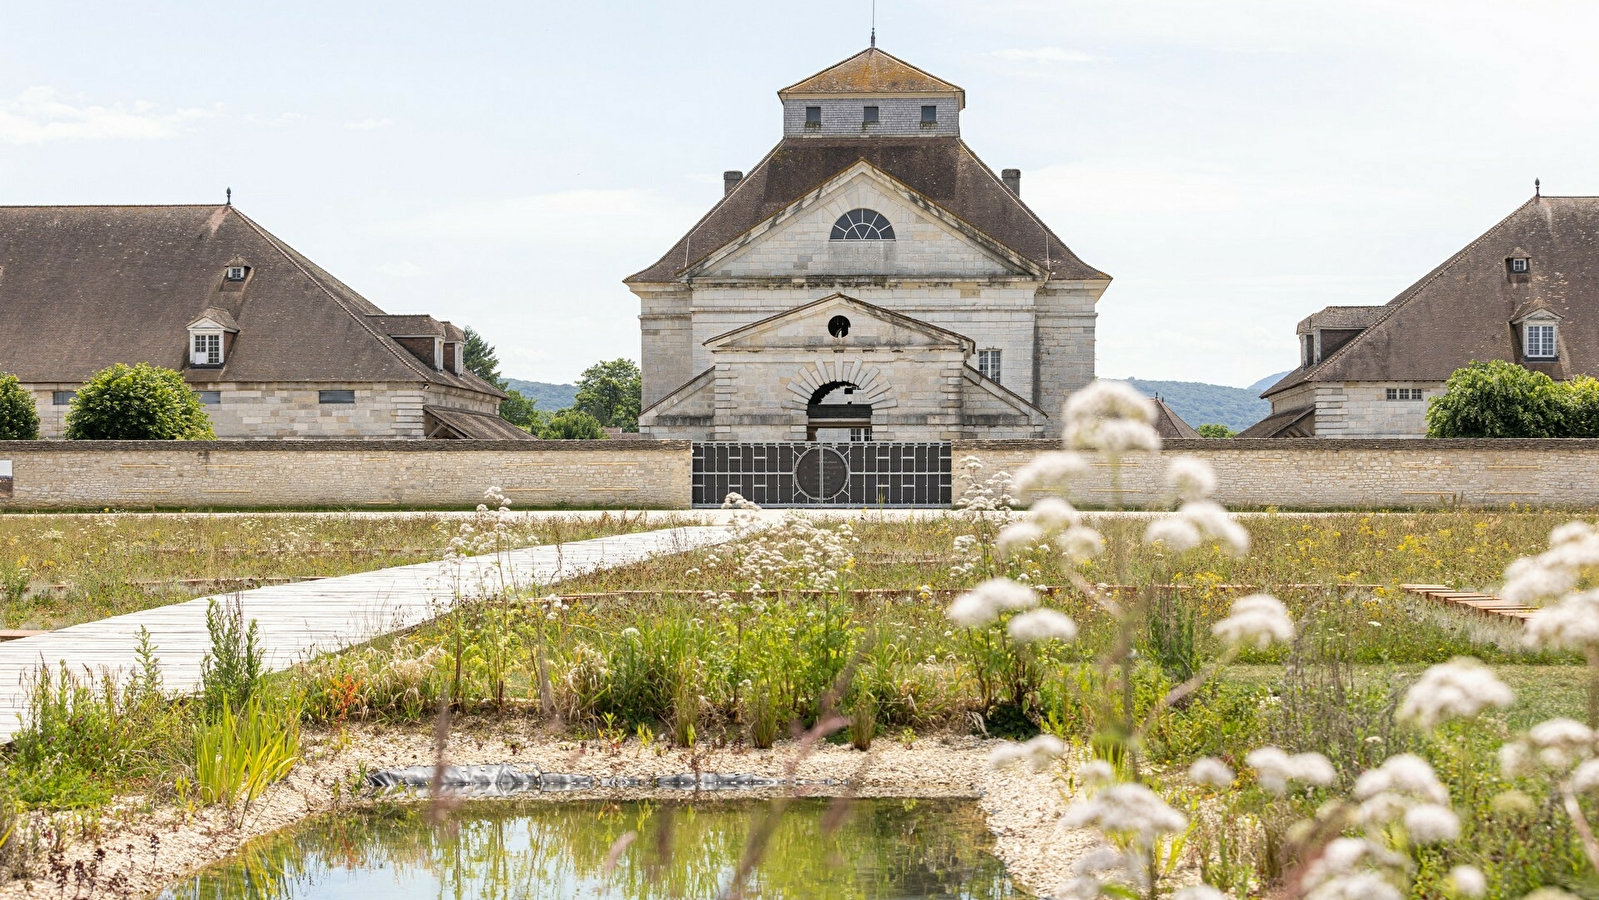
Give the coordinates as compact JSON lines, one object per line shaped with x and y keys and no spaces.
{"x":804,"y":473}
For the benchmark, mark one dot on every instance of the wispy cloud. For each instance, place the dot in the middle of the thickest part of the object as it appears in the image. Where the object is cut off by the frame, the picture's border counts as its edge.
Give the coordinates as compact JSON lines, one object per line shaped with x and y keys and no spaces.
{"x":368,"y":124}
{"x":1045,"y":55}
{"x":40,"y":114}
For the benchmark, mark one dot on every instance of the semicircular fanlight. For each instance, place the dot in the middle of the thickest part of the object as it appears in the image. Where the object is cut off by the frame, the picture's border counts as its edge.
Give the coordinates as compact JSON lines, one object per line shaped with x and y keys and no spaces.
{"x":862,"y":225}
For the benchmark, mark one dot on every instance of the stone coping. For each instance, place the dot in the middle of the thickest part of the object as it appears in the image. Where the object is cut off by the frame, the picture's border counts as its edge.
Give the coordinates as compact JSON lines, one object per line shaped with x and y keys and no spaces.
{"x":313,"y":445}
{"x":1315,"y":444}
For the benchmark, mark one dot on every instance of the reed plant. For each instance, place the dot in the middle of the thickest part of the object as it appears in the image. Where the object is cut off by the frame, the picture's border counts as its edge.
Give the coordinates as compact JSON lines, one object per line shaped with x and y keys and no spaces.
{"x":238,"y":755}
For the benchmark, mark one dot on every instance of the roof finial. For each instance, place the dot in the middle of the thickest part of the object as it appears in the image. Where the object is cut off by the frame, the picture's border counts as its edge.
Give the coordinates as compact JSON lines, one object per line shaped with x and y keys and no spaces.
{"x":1537,"y":189}
{"x":230,"y":196}
{"x":874,"y":23}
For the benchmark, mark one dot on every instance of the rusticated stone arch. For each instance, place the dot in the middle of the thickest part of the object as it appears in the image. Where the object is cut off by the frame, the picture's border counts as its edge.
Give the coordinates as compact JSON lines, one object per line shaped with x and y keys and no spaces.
{"x":872,"y":386}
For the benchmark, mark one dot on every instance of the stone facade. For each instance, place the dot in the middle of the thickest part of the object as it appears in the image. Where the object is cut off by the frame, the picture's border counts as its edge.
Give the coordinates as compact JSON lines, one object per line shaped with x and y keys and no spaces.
{"x":975,"y":263}
{"x":377,"y":474}
{"x":289,"y":410}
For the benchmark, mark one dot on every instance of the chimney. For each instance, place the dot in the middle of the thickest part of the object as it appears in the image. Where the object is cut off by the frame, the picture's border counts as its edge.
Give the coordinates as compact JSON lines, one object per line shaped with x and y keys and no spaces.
{"x":1013,"y":180}
{"x":730,"y":180}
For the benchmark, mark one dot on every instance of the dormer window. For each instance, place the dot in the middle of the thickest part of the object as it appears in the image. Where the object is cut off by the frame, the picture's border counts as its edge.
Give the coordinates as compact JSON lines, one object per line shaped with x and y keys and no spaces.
{"x":1520,"y":264}
{"x":869,"y":116}
{"x":813,"y":117}
{"x":207,"y":349}
{"x":1539,"y":340}
{"x":930,"y":115}
{"x":237,"y":273}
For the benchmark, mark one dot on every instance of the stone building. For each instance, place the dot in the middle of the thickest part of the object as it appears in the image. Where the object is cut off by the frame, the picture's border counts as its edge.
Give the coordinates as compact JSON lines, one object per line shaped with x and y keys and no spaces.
{"x":869,"y":279}
{"x":1527,"y":292}
{"x":274,"y":345}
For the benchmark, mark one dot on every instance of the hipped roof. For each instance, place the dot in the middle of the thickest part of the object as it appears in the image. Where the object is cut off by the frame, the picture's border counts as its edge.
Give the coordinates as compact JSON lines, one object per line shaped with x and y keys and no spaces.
{"x":1463,"y":310}
{"x":83,"y":287}
{"x":943,"y":169}
{"x":872,"y":71}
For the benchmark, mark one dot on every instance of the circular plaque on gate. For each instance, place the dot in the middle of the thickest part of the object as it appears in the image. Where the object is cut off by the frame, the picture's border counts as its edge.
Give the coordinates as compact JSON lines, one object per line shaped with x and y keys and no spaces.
{"x":821,"y":473}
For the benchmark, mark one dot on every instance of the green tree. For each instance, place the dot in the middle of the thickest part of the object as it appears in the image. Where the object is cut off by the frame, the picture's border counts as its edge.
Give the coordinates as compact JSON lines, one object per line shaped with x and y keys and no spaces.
{"x":478,"y":356}
{"x":1579,"y":407}
{"x":19,"y":417}
{"x":1496,"y":399}
{"x":521,"y":411}
{"x":572,"y":425}
{"x":137,"y":403}
{"x":612,"y":392}
{"x":1213,"y":430}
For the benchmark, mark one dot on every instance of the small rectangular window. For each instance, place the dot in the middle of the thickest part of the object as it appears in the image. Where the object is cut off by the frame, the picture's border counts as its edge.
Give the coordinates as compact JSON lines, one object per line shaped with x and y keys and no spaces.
{"x":1540,"y":342}
{"x":1403,"y":393}
{"x":210,"y":398}
{"x":988,"y":363}
{"x":869,"y":115}
{"x":1518,"y":265}
{"x":929,"y":115}
{"x":236,"y":273}
{"x":207,"y":350}
{"x":62,"y":398}
{"x":335,"y":396}
{"x":813,"y":116}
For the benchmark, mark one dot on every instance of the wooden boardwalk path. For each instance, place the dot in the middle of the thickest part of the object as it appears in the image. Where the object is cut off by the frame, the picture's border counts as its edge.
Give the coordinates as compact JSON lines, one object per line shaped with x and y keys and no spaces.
{"x":1485,"y":604}
{"x":298,"y":621}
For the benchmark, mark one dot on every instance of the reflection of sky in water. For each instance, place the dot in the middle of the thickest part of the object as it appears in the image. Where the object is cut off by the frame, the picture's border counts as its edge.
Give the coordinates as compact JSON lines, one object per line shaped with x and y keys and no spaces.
{"x":884,"y":849}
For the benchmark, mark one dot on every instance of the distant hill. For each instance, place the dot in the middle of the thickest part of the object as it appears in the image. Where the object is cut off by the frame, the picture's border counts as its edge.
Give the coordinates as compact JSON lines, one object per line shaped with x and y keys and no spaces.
{"x":1200,"y":404}
{"x":1268,"y":381}
{"x":548,"y":397}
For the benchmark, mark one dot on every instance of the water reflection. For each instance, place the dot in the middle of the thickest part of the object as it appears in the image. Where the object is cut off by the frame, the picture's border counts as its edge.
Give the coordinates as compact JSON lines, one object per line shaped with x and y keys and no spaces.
{"x":885,"y":849}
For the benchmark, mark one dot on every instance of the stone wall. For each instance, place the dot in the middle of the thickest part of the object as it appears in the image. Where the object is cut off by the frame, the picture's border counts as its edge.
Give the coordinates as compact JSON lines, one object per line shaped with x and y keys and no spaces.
{"x":359,"y":474}
{"x":251,"y":411}
{"x":1317,"y":473}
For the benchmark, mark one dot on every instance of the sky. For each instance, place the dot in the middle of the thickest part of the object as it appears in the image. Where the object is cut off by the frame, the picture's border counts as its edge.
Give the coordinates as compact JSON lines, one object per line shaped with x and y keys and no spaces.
{"x":1235,"y":166}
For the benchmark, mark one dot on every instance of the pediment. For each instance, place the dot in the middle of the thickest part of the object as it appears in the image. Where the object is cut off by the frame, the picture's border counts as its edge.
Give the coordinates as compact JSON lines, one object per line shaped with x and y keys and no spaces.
{"x":214,"y":319}
{"x":870,"y":327}
{"x":929,"y":241}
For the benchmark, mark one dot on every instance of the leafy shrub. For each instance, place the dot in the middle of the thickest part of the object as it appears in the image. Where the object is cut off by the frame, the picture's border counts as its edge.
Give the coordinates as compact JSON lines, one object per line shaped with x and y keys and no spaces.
{"x":137,"y":403}
{"x":19,"y":416}
{"x":1579,"y":402}
{"x":231,"y":674}
{"x":1213,"y":430}
{"x":1496,"y":399}
{"x":572,"y":425}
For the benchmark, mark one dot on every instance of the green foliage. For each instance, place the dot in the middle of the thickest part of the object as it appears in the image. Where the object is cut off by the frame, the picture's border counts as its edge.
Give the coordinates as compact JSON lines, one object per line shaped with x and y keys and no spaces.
{"x":572,"y":425}
{"x":521,"y":411}
{"x":1213,"y":430}
{"x":239,"y":755}
{"x":478,"y":356}
{"x":232,"y":673}
{"x":1496,"y":399}
{"x":19,"y":416}
{"x":137,"y":403}
{"x":1579,"y":402}
{"x":611,"y":392}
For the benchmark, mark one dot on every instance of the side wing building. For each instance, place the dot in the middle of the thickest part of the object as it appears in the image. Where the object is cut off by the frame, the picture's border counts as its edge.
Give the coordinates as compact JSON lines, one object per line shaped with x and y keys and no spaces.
{"x":869,"y":279}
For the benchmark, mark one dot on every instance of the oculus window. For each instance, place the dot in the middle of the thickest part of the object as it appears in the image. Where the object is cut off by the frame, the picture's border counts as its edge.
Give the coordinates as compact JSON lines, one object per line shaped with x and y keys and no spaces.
{"x":862,"y":225}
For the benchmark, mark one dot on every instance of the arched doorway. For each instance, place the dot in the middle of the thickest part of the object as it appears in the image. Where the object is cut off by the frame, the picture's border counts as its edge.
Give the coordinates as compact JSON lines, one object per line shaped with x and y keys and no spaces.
{"x":833,"y":414}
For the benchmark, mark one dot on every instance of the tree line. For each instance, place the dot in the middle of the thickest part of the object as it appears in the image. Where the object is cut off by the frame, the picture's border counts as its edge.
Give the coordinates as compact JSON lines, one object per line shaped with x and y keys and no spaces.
{"x":609,"y":395}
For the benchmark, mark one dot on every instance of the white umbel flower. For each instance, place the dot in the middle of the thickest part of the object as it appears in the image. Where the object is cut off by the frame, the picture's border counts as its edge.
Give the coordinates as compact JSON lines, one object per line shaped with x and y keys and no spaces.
{"x":1459,"y":689}
{"x":1274,"y":769}
{"x":1256,"y":621}
{"x":980,"y":605}
{"x":1112,"y":418}
{"x":1585,"y":778}
{"x":1211,"y":771}
{"x":1430,"y":823}
{"x":1216,"y":524}
{"x":1571,"y":624}
{"x":1041,"y":625}
{"x":1130,"y":809}
{"x":1468,"y":882}
{"x":1053,"y":514}
{"x":1561,"y":743}
{"x":1176,"y":534}
{"x":1018,"y":536}
{"x":1080,"y":544}
{"x":1039,"y":753}
{"x":1355,"y":886}
{"x":1051,"y":471}
{"x":1190,"y":478}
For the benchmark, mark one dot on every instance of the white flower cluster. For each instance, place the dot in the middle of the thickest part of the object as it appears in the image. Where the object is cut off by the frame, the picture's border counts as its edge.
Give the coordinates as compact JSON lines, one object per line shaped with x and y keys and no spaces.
{"x":983,"y":498}
{"x":1555,"y":745}
{"x":799,"y":554}
{"x":1052,"y":517}
{"x":1112,"y":418}
{"x":1127,"y":810}
{"x":1459,"y":689}
{"x":1198,"y":519}
{"x":1104,"y":865}
{"x":1039,"y":753}
{"x":1049,"y":473}
{"x":983,"y":604}
{"x":1405,"y":788}
{"x":1208,"y":770}
{"x":1256,"y":621}
{"x":1342,"y":872}
{"x":1275,"y":769}
{"x":1570,"y":624}
{"x":1573,"y":547}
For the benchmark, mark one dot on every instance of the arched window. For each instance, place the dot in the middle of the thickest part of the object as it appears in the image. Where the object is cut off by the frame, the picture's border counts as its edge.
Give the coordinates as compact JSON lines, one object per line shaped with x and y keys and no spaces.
{"x":862,"y":225}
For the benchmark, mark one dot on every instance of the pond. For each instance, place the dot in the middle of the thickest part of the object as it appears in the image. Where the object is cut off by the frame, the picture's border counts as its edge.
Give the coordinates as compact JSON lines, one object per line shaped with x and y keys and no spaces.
{"x":865,"y":849}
